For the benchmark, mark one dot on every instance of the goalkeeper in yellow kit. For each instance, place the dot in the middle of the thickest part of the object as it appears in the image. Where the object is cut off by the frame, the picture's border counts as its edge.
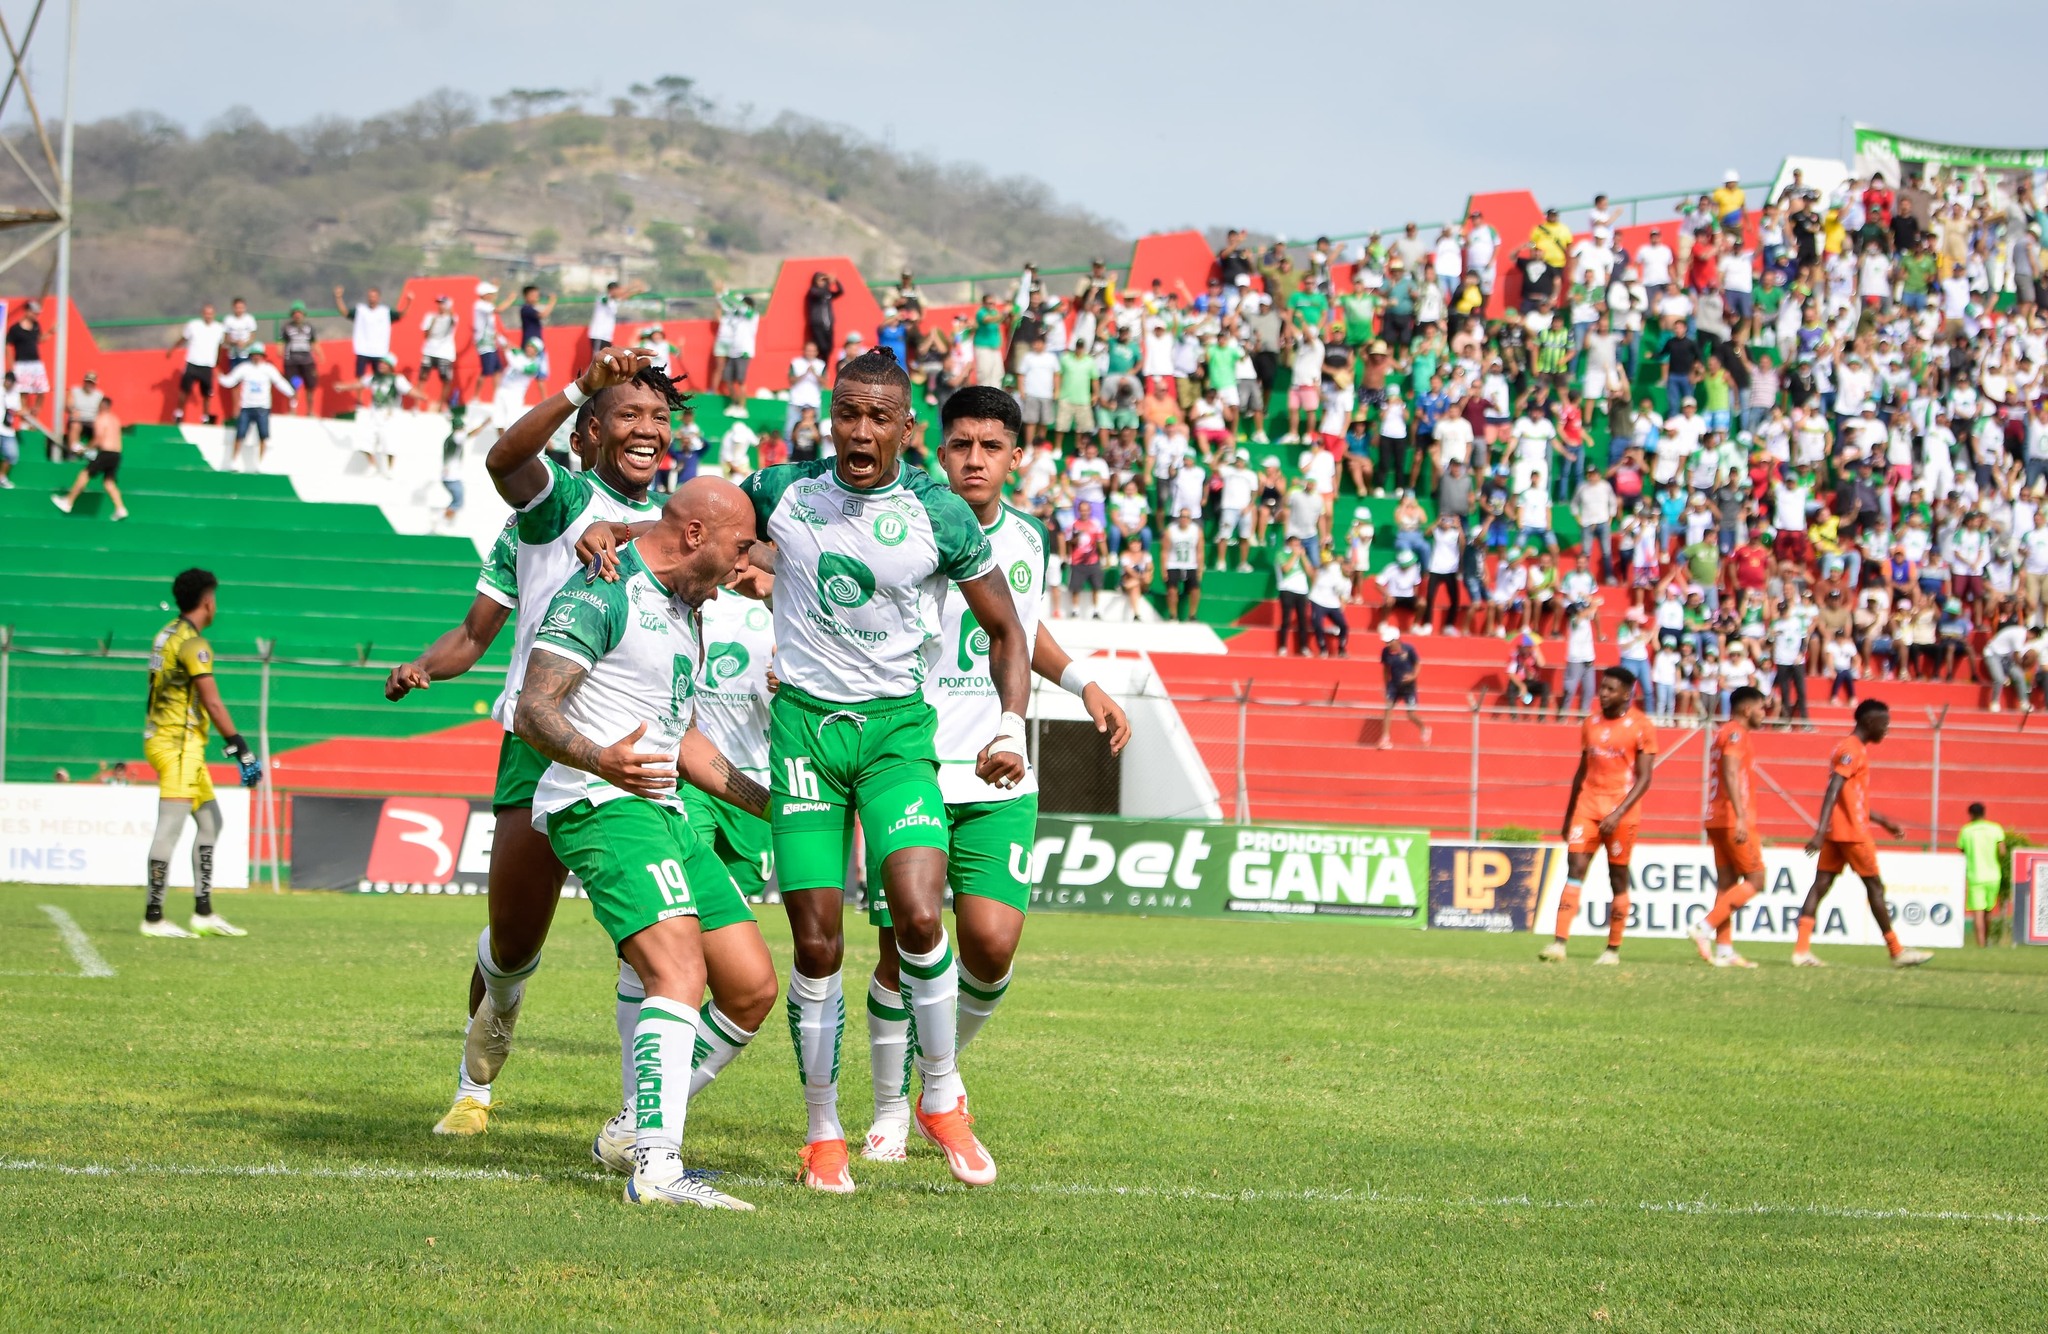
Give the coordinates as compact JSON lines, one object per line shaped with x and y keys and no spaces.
{"x":182,"y":698}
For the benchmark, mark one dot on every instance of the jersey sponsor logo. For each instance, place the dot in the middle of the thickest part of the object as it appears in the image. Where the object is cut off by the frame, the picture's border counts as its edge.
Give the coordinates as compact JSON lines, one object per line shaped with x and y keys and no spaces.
{"x":890,"y":529}
{"x":723,"y":662}
{"x":1020,"y":576}
{"x":682,"y":687}
{"x":973,"y":641}
{"x":803,"y":513}
{"x":915,"y":818}
{"x":803,"y":807}
{"x":560,"y":621}
{"x":652,"y":606}
{"x":844,"y":582}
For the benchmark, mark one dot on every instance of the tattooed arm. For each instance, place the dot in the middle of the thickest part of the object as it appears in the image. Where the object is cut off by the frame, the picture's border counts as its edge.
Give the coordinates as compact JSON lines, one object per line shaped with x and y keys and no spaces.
{"x":550,"y":680}
{"x":704,"y":765}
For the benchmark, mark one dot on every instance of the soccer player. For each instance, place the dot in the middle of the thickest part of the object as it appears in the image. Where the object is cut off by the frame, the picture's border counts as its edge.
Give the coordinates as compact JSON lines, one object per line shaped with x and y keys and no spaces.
{"x":1843,"y":838}
{"x":1982,"y":844}
{"x":624,"y":442}
{"x":182,"y":698}
{"x":867,"y":549}
{"x":1618,"y":753}
{"x":609,"y":696}
{"x":1731,"y":829}
{"x":991,"y":828}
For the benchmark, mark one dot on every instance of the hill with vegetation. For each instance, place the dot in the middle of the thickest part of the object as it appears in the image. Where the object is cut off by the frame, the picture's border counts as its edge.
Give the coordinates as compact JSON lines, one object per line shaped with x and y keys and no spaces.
{"x":662,"y":187}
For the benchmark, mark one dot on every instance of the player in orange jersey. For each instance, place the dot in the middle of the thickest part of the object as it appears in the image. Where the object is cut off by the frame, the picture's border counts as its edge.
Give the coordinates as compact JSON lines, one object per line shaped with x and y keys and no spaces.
{"x":1619,"y":750}
{"x":1844,"y":838}
{"x":1731,"y":829}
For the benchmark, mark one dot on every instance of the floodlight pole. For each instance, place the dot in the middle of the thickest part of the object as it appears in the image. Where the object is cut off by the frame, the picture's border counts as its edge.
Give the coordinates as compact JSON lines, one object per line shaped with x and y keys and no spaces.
{"x":58,"y":409}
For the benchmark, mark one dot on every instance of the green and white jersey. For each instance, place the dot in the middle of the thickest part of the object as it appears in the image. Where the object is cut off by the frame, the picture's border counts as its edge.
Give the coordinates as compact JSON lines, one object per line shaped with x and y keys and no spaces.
{"x":499,"y":578}
{"x":961,"y":689}
{"x":548,"y":527}
{"x":732,"y":689}
{"x":862,"y":576}
{"x":640,"y":648}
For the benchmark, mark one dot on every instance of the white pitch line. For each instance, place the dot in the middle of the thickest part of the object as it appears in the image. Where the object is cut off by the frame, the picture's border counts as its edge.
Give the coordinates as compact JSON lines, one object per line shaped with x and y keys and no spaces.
{"x":90,"y":964}
{"x":1359,"y":1198}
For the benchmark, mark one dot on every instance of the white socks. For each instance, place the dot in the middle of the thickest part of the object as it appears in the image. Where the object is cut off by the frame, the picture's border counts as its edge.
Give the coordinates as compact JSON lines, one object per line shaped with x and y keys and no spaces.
{"x":978,"y":1000}
{"x":719,"y":1039}
{"x":930,"y":992}
{"x":465,"y":1087}
{"x":889,"y":1052}
{"x":504,"y":985}
{"x":627,"y":1016}
{"x":662,"y":1043}
{"x":817,"y":1022}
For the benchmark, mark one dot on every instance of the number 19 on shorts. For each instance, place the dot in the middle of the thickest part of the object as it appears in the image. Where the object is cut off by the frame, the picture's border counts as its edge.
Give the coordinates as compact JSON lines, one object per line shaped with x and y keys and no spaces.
{"x":796,"y":772}
{"x":668,"y":878}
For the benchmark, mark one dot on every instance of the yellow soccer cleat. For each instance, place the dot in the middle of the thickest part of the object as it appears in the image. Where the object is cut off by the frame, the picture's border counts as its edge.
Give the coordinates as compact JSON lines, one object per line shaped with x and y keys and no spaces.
{"x":466,"y":1117}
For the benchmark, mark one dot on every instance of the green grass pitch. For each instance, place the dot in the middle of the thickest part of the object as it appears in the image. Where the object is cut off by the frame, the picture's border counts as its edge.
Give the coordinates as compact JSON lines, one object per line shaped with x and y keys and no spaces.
{"x":1213,"y":1126}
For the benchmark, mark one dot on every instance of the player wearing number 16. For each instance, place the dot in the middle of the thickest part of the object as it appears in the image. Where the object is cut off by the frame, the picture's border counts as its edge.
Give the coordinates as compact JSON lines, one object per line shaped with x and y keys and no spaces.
{"x":609,"y":697}
{"x":868,"y":551}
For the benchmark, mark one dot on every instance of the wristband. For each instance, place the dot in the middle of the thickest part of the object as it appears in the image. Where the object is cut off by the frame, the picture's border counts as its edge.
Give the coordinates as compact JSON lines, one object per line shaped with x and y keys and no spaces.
{"x":574,"y":393}
{"x":234,"y":746}
{"x":1009,"y":740}
{"x":1076,"y":678}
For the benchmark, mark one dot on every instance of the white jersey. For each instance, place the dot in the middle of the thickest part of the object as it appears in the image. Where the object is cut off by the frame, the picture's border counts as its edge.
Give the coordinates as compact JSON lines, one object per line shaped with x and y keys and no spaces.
{"x":548,"y":527}
{"x":641,"y":648}
{"x":960,"y":689}
{"x":862,"y":576}
{"x":732,"y":690}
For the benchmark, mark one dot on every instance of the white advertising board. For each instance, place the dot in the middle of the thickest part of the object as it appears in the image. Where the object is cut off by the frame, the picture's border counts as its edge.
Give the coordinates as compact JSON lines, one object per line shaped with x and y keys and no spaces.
{"x":90,"y":834}
{"x":1672,"y":886}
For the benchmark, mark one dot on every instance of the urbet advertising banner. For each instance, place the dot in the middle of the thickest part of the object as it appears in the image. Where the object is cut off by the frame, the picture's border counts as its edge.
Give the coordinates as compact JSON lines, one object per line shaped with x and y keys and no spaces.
{"x":1490,"y":886}
{"x":1672,"y":885}
{"x":1174,"y":868}
{"x":392,"y":845}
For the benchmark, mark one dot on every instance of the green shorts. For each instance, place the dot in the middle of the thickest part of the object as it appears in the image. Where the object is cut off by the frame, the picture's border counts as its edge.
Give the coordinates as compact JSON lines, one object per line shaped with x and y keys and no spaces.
{"x":740,"y":841}
{"x":830,"y":761}
{"x":1115,"y":419}
{"x":519,"y":769}
{"x":989,"y":856}
{"x":1980,"y":896}
{"x":641,"y":864}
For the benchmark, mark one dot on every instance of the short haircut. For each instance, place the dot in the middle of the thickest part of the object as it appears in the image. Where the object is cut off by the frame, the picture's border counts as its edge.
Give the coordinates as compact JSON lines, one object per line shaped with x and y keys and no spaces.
{"x":1621,"y":674}
{"x":983,"y":402}
{"x":1742,"y":695}
{"x":1976,"y":810}
{"x":190,"y":588}
{"x":1871,"y":706}
{"x":876,"y":366}
{"x":650,"y":377}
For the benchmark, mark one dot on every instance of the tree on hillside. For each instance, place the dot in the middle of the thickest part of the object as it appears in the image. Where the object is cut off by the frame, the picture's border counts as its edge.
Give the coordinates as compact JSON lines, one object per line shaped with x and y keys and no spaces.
{"x":526,"y":103}
{"x":670,"y":99}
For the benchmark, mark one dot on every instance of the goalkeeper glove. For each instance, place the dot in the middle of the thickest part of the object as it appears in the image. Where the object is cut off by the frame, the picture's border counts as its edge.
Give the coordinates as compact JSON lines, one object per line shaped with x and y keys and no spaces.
{"x":238,"y":751}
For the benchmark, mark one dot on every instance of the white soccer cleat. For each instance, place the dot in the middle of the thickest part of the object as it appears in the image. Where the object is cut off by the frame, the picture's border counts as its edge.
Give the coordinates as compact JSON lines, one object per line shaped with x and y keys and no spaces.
{"x":1911,"y":958}
{"x":1703,"y":941}
{"x":467,"y":1117}
{"x":613,"y":1147}
{"x":489,"y":1040}
{"x":1806,"y":959}
{"x":1552,"y":953}
{"x":662,"y":1180}
{"x":213,"y":924}
{"x":1733,"y":960}
{"x":165,"y":929}
{"x":888,"y":1141}
{"x":1609,"y":958}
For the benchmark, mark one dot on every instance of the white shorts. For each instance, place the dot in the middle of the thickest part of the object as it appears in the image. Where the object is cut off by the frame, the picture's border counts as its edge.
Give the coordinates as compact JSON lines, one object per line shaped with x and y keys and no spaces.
{"x":1235,"y":523}
{"x":31,"y":378}
{"x":1227,"y":395}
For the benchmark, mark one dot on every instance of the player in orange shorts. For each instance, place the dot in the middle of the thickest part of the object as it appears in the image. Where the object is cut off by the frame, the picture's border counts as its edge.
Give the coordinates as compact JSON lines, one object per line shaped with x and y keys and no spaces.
{"x":1844,"y":838}
{"x":1619,"y":752}
{"x":1731,"y":828}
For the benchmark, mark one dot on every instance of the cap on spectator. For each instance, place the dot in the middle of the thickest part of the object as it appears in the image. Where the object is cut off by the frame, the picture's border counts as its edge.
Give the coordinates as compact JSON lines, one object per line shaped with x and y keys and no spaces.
{"x":1636,"y":614}
{"x":486,"y":289}
{"x":1389,"y":631}
{"x":92,"y":375}
{"x":1688,"y":402}
{"x":255,"y":350}
{"x":1731,"y":177}
{"x":298,"y":307}
{"x":1404,"y":558}
{"x":1602,"y":232}
{"x":444,"y":300}
{"x":1953,"y":606}
{"x":1378,"y":348}
{"x":1243,"y":280}
{"x":1549,"y":212}
{"x":1269,"y":462}
{"x":1244,"y":456}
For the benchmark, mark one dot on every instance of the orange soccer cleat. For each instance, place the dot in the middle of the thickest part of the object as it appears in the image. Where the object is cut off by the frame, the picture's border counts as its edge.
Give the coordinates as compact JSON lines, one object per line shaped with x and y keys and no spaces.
{"x":950,"y":1130}
{"x":824,"y":1163}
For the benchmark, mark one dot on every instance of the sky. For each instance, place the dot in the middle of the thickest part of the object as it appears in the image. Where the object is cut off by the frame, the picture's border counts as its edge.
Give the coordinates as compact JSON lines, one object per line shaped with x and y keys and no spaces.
{"x":1308,"y":117}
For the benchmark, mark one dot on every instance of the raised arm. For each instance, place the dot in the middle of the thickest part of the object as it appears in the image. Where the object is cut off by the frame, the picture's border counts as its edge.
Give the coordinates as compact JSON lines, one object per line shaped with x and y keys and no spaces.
{"x":514,"y":461}
{"x":454,"y":653}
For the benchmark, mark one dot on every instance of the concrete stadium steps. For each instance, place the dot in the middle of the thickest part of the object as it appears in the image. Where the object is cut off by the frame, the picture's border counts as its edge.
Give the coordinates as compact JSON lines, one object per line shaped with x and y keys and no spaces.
{"x":324,"y":581}
{"x":1312,"y":729}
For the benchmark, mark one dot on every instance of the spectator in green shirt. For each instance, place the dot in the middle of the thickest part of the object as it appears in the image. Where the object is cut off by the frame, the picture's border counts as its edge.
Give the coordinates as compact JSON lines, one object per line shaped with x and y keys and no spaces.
{"x":1076,"y":396}
{"x":1982,"y":844}
{"x":1310,"y":307}
{"x":1916,"y":274}
{"x":988,"y":342}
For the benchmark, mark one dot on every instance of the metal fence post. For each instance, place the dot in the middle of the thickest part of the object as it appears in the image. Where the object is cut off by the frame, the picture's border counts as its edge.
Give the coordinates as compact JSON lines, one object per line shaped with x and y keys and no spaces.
{"x":1244,"y":789}
{"x":6,"y":656}
{"x":265,"y":792}
{"x":1934,"y":788}
{"x":1472,"y":785}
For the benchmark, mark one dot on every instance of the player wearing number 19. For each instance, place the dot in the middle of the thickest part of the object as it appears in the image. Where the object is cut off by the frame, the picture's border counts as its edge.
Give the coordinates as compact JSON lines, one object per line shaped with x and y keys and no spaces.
{"x":992,"y":828}
{"x":868,"y":551}
{"x":610,"y":698}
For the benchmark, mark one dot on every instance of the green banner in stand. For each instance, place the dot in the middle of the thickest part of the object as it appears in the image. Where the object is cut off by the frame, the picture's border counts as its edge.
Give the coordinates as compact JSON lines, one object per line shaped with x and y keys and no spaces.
{"x":1180,"y":868}
{"x":1880,"y":144}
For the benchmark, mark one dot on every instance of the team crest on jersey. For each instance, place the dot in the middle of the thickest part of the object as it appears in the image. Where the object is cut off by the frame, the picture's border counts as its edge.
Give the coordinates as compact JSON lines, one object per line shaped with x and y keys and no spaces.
{"x":724,"y":662}
{"x":844,"y":582}
{"x":1020,"y":576}
{"x":757,"y":617}
{"x":890,"y":529}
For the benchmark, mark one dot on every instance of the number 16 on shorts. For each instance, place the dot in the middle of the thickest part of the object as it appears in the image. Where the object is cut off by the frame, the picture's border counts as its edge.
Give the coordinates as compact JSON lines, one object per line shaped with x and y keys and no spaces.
{"x":797,"y":775}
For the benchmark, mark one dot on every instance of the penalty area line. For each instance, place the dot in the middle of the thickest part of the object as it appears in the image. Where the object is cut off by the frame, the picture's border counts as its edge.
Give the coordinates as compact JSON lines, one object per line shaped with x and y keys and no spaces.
{"x":90,"y":964}
{"x":1367,"y":1198}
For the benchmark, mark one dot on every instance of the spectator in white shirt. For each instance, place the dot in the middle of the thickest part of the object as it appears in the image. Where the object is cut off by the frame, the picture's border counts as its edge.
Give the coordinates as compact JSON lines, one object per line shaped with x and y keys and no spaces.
{"x":371,"y":328}
{"x":604,"y":314}
{"x":201,"y":339}
{"x":437,"y":348}
{"x":241,"y":330}
{"x":258,"y":380}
